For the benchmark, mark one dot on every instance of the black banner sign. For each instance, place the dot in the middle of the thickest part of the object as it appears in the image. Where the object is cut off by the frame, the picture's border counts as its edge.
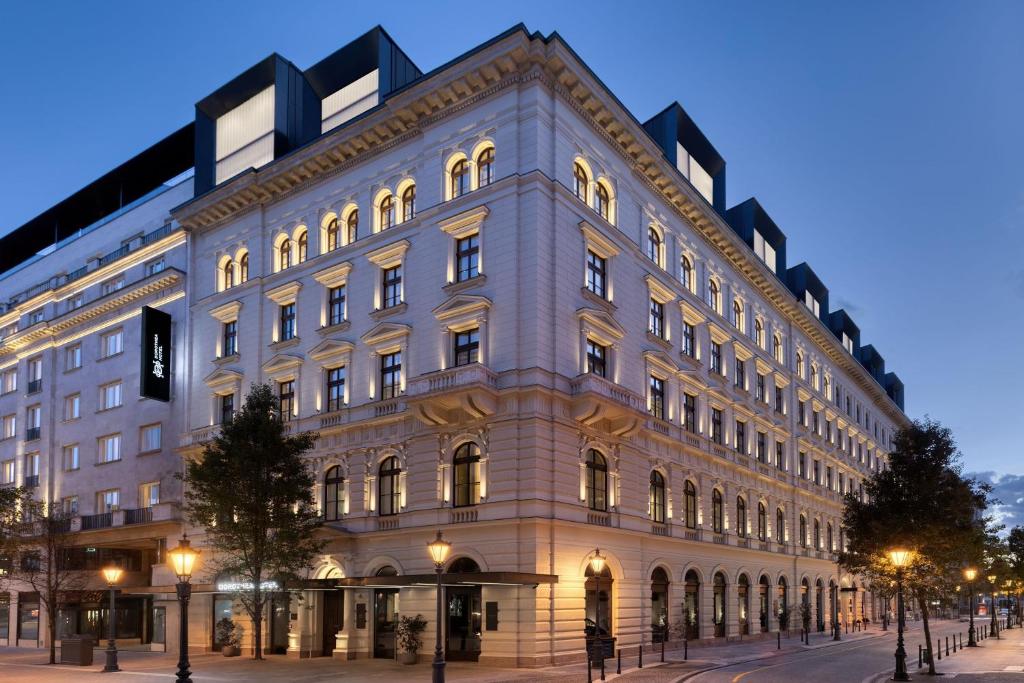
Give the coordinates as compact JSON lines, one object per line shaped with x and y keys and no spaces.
{"x":155,"y":379}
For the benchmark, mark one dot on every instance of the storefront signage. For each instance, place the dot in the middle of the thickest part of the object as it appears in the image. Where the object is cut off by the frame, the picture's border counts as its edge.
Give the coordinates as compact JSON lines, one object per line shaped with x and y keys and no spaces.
{"x":155,"y":375}
{"x":244,"y":586}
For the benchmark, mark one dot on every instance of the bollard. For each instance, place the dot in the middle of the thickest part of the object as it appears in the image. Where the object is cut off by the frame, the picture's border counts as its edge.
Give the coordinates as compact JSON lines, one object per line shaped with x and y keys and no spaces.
{"x":618,"y":662}
{"x":940,"y":651}
{"x":947,"y":646}
{"x":920,"y":658}
{"x":590,"y":673}
{"x":779,"y":638}
{"x":686,"y":649}
{"x":954,"y":643}
{"x":663,"y":647}
{"x":602,"y":662}
{"x":640,"y":663}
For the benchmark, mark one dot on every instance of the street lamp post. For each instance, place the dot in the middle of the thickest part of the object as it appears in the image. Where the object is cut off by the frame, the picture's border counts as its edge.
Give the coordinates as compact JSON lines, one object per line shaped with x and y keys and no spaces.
{"x":597,"y":563}
{"x":1007,"y":592}
{"x":835,"y":613}
{"x":439,"y":549}
{"x":182,"y":559}
{"x":112,"y":574}
{"x":993,"y":622}
{"x":900,"y":559}
{"x":970,"y":574}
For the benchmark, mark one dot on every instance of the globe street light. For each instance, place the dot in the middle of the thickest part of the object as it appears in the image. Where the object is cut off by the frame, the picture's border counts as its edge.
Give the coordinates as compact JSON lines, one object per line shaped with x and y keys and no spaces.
{"x":900,"y":559}
{"x":597,"y":564}
{"x":993,"y":622}
{"x":112,"y":574}
{"x":439,"y":549}
{"x":182,"y":559}
{"x":971,"y":574}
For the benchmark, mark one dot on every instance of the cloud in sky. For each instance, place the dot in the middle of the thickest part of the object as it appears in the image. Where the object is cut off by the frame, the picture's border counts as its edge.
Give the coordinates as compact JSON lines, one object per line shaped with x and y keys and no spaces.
{"x":1008,"y":489}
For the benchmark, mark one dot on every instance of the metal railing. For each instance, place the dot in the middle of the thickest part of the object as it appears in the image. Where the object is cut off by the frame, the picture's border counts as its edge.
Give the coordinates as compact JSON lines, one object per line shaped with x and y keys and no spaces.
{"x":138,"y":516}
{"x":31,"y":481}
{"x":98,"y":521}
{"x":32,"y":433}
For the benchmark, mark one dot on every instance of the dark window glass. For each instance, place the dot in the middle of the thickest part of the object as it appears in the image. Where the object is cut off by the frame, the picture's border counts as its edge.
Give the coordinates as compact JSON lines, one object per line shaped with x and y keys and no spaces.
{"x":333,"y":232}
{"x":690,"y":413}
{"x":717,"y":514}
{"x":741,"y":374}
{"x":597,"y":481}
{"x":389,"y":490}
{"x":716,"y":425}
{"x":352,"y":225}
{"x":759,"y":388}
{"x":689,"y":345}
{"x":286,"y":399}
{"x":762,"y":447}
{"x":657,"y":319}
{"x":409,"y":203}
{"x":392,"y":286}
{"x":335,"y":388}
{"x":780,"y":526}
{"x":716,"y":357}
{"x":657,"y":389}
{"x":460,"y":178}
{"x":596,"y":271}
{"x":467,"y":257}
{"x":762,"y":523}
{"x":596,"y":358}
{"x":386,"y":212}
{"x":227,"y":408}
{"x":741,"y":436}
{"x":390,"y":375}
{"x":485,"y":168}
{"x":604,"y":202}
{"x":287,"y":329}
{"x":466,"y":480}
{"x":284,"y":254}
{"x":580,"y":182}
{"x":656,"y":497}
{"x":303,"y":246}
{"x":334,"y":494}
{"x":336,"y":305}
{"x":690,"y":504}
{"x":230,"y":338}
{"x":467,"y":346}
{"x":741,"y":517}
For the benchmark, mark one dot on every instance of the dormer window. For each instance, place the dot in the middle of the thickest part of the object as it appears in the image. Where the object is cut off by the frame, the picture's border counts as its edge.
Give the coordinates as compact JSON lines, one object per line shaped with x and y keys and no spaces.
{"x":764,"y":251}
{"x":812,"y":304}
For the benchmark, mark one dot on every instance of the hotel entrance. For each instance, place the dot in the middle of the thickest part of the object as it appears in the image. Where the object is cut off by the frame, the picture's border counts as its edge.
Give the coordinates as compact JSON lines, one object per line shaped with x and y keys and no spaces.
{"x":464,"y":609}
{"x":333,"y":621}
{"x":385,"y":617}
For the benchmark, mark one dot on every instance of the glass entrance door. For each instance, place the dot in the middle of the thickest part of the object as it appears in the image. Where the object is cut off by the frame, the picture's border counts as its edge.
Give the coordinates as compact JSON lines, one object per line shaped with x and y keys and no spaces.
{"x":385,"y":618}
{"x":463,"y":642}
{"x":279,"y":624}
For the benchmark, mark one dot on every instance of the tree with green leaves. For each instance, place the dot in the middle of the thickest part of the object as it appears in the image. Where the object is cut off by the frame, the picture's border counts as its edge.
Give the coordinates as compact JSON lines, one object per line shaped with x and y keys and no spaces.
{"x":252,"y":492}
{"x":920,"y":501}
{"x":35,"y":550}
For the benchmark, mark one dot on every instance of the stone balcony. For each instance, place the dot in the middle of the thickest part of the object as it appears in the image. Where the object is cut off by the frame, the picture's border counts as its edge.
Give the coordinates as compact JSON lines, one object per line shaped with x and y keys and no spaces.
{"x":156,"y":514}
{"x":448,"y":396}
{"x":596,"y":399}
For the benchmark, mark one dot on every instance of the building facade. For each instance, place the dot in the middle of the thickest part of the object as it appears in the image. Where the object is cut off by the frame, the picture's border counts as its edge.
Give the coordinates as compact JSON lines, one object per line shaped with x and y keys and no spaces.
{"x":514,"y":313}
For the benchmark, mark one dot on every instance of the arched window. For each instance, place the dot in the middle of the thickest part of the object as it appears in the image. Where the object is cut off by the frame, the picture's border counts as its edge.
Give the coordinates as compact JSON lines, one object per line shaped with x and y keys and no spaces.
{"x":691,"y":605}
{"x":825,"y":383}
{"x":597,"y":481}
{"x":741,"y":517}
{"x":228,"y":276}
{"x":243,"y":268}
{"x":686,"y":272}
{"x":762,"y":523}
{"x":659,"y":604}
{"x":717,"y":514}
{"x":389,"y":486}
{"x":780,"y":526}
{"x":466,"y":475}
{"x":829,"y":540}
{"x":764,"y":601}
{"x":333,"y":233}
{"x":284,"y":254}
{"x":737,"y":314}
{"x":351,"y":226}
{"x":817,"y":535}
{"x":386,"y":212}
{"x":800,"y":364}
{"x":303,"y":243}
{"x":485,"y":167}
{"x":602,"y":201}
{"x":463,"y":565}
{"x":656,"y":497}
{"x":814,"y":376}
{"x":759,"y":332}
{"x":690,"y":508}
{"x":580,"y":182}
{"x":409,"y":203}
{"x":803,"y":531}
{"x":777,"y":347}
{"x":714,"y":298}
{"x":334,"y":494}
{"x":743,"y":598}
{"x":718,"y":604}
{"x":459,"y":178}
{"x":654,"y":245}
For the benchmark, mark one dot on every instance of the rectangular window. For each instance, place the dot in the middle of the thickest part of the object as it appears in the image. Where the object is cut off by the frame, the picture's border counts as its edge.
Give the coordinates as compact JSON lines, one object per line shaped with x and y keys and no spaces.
{"x":109,"y":448}
{"x":779,"y":403}
{"x":7,"y":472}
{"x":803,"y":465}
{"x":467,"y":258}
{"x":10,"y":426}
{"x":149,"y":494}
{"x":762,"y":447}
{"x":336,"y":305}
{"x":71,"y":461}
{"x":597,"y":356}
{"x":35,"y":375}
{"x":741,"y":436}
{"x":596,"y":274}
{"x":10,"y":380}
{"x":335,"y":388}
{"x":73,"y":357}
{"x":72,"y":407}
{"x":286,"y":329}
{"x":759,"y":388}
{"x":111,"y":286}
{"x":227,"y":408}
{"x":110,"y":396}
{"x":828,"y":477}
{"x":35,"y":316}
{"x":35,"y":419}
{"x":467,"y":346}
{"x":741,"y":374}
{"x":286,"y":399}
{"x":392,"y":286}
{"x":69,"y":505}
{"x":690,"y":412}
{"x":657,"y":397}
{"x":817,"y":472}
{"x":230,"y":345}
{"x":150,"y":437}
{"x":816,"y":422}
{"x":657,"y":319}
{"x":74,"y":303}
{"x":108,"y":501}
{"x":716,"y":425}
{"x":689,"y":343}
{"x":31,"y":465}
{"x":156,"y":266}
{"x":801,"y":413}
{"x":111,"y":344}
{"x":716,"y":357}
{"x":390,"y":375}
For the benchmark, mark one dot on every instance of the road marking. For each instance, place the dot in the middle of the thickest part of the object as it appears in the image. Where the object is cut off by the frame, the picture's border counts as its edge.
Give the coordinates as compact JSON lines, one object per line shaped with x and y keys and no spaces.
{"x":737,"y":677}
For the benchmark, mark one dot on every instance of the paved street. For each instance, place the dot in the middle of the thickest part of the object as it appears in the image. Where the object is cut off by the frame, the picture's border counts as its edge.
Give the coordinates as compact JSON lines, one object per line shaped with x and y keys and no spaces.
{"x":859,"y":658}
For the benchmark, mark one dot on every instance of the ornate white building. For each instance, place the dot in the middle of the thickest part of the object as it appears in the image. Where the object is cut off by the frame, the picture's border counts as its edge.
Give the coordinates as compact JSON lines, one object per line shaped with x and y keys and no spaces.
{"x":514,"y":313}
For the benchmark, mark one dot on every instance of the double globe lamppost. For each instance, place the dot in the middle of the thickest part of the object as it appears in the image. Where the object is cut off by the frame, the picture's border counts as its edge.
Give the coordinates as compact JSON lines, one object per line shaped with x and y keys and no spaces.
{"x":900,"y":559}
{"x":182,"y":559}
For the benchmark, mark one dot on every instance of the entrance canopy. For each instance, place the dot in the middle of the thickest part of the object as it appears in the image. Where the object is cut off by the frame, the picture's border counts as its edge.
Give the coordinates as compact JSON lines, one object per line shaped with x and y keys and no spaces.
{"x":427,"y":580}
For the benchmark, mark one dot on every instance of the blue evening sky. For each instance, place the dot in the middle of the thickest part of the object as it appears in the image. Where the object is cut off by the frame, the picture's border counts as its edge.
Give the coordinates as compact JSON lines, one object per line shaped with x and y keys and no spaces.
{"x":885,"y":139}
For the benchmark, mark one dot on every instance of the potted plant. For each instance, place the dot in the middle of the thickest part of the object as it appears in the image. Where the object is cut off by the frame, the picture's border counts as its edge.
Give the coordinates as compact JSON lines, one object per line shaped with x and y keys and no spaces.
{"x":229,"y":635}
{"x":409,"y":633}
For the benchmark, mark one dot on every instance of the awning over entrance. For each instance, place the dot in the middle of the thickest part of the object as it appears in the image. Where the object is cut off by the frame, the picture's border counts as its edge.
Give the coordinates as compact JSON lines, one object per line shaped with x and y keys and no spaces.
{"x":427,"y":580}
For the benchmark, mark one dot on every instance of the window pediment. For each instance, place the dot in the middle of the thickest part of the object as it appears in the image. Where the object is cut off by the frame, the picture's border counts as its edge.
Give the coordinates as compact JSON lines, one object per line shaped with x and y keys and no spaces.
{"x":600,"y":244}
{"x":659,"y":292}
{"x":332,"y":352}
{"x":718,"y":335}
{"x":742,"y":353}
{"x":465,"y":223}
{"x":390,"y":255}
{"x":227,"y":312}
{"x":600,"y":323}
{"x":691,"y":314}
{"x":335,"y":276}
{"x":285,"y":293}
{"x":386,"y":332}
{"x":764,"y":367}
{"x":282,"y":365}
{"x":223,"y":380}
{"x":661,"y":361}
{"x":462,"y":308}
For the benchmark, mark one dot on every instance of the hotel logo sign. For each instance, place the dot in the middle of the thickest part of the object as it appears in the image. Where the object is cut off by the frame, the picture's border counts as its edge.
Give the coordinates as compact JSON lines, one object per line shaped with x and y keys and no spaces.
{"x":156,"y":355}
